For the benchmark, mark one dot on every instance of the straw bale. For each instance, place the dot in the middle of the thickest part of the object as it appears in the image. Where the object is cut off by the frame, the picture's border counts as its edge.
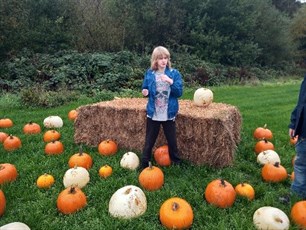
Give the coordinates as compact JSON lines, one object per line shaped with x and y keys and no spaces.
{"x":205,"y":135}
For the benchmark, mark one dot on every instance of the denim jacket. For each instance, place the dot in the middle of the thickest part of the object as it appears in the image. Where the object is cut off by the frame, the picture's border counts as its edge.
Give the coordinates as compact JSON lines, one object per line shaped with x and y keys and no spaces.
{"x":298,"y":115}
{"x":176,"y":90}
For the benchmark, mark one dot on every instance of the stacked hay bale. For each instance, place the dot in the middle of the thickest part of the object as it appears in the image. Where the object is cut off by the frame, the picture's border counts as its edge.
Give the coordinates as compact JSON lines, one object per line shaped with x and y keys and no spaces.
{"x":205,"y":135}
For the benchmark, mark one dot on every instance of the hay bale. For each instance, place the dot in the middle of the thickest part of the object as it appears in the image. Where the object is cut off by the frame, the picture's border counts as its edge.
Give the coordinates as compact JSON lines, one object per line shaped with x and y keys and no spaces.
{"x":206,"y":136}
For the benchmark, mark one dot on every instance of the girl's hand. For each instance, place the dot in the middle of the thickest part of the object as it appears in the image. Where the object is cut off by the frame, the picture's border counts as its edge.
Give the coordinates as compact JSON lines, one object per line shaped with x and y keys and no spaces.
{"x":145,"y":92}
{"x":165,"y":78}
{"x":291,"y":133}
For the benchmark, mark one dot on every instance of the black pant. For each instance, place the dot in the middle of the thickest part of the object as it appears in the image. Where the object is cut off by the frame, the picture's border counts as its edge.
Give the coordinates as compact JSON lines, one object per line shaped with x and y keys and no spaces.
{"x":152,"y":131}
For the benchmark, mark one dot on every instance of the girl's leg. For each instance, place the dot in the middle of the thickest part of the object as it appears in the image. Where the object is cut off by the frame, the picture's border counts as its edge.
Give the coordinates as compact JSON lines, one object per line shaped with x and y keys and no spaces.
{"x":170,"y":134}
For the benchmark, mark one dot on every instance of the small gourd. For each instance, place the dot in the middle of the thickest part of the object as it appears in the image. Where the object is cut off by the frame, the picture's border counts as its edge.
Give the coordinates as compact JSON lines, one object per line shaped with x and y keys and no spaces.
{"x":129,"y":160}
{"x":53,"y":122}
{"x":77,"y":176}
{"x":105,"y":171}
{"x":45,"y":181}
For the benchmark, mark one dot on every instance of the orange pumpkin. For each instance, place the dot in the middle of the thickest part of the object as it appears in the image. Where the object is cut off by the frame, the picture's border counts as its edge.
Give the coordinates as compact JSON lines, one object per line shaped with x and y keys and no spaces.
{"x":71,"y":200}
{"x":11,"y":143}
{"x":31,"y":128}
{"x":3,"y":136}
{"x":245,"y":190}
{"x":54,"y":147}
{"x":51,"y":135}
{"x":176,"y":213}
{"x":45,"y":181}
{"x":274,"y":172}
{"x":263,"y":133}
{"x":293,"y":140}
{"x":72,"y":114}
{"x":6,"y":123}
{"x":105,"y":171}
{"x":298,"y":214}
{"x":151,"y":178}
{"x":107,"y":147}
{"x":8,"y":173}
{"x":161,"y":156}
{"x":2,"y":203}
{"x":263,"y":145}
{"x":220,"y":193}
{"x":80,"y":159}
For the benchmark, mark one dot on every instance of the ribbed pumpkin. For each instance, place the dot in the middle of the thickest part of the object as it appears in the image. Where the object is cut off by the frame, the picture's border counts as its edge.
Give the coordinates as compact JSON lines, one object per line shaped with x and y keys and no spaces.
{"x":81,"y":159}
{"x":31,"y":128}
{"x":72,"y":114}
{"x":8,"y":173}
{"x":274,"y":172}
{"x":12,"y":143}
{"x":263,"y":145}
{"x":263,"y":133}
{"x":105,"y":171}
{"x":220,"y":193}
{"x":245,"y":190}
{"x":51,"y":135}
{"x":298,"y":213}
{"x":151,"y":178}
{"x":45,"y":181}
{"x":71,"y":200}
{"x":176,"y":213}
{"x":2,"y":203}
{"x":161,"y":156}
{"x":54,"y":148}
{"x":3,"y":136}
{"x":6,"y":123}
{"x":107,"y":147}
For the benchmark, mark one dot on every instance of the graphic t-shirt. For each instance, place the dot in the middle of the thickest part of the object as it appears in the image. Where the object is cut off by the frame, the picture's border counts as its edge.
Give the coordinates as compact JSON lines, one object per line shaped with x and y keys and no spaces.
{"x":161,"y":99}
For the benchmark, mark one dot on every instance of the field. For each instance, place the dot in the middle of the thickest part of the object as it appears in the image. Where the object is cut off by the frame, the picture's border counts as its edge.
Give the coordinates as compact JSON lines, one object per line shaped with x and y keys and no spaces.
{"x":269,"y":103}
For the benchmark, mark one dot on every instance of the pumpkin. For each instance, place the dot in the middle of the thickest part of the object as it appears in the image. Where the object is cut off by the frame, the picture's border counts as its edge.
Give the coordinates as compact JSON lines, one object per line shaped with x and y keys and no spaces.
{"x":6,"y":123}
{"x":12,"y":143}
{"x":245,"y":190}
{"x":298,"y":213}
{"x":8,"y":173}
{"x":81,"y":159}
{"x":72,"y":114}
{"x":263,"y":133}
{"x":2,"y":203}
{"x":71,"y":200}
{"x":31,"y":128}
{"x":268,"y":156}
{"x":129,"y":160}
{"x":161,"y":156}
{"x":293,"y":140}
{"x":107,"y":147}
{"x":203,"y":97}
{"x":270,"y":218}
{"x":15,"y":226}
{"x":176,"y":213}
{"x":77,"y":176}
{"x":220,"y":193}
{"x":127,"y":202}
{"x":274,"y":172}
{"x":3,"y":136}
{"x":151,"y":178}
{"x":45,"y":181}
{"x":53,"y":122}
{"x":54,"y":148}
{"x":105,"y":171}
{"x":263,"y":145}
{"x":51,"y":135}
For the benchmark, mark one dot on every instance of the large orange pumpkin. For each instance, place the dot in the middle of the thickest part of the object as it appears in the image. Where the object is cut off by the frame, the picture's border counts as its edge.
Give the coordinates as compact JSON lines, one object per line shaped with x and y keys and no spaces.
{"x":298,"y":214}
{"x":80,"y":159}
{"x":107,"y":147}
{"x":2,"y":203}
{"x":3,"y":136}
{"x":31,"y":128}
{"x":8,"y":173}
{"x":263,"y":145}
{"x":54,"y":147}
{"x":151,"y":178}
{"x":71,"y":200}
{"x":263,"y":133}
{"x":245,"y":190}
{"x":6,"y":123}
{"x":161,"y":156}
{"x":176,"y":213}
{"x":274,"y":172}
{"x":220,"y":193}
{"x":11,"y":143}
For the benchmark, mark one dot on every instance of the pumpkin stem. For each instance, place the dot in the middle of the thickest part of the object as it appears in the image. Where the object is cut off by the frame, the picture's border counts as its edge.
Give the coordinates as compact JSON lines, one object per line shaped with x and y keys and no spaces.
{"x":222,"y":182}
{"x":175,"y":206}
{"x":265,"y":126}
{"x":150,"y":165}
{"x":72,"y":190}
{"x":276,"y":164}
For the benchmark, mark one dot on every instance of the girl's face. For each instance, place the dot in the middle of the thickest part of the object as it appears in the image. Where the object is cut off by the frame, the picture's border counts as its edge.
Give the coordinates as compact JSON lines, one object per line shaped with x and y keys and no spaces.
{"x":162,"y":62}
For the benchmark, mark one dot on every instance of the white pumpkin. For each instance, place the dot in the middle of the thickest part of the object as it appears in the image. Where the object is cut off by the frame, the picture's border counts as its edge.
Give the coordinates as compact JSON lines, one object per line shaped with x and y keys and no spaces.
{"x":203,"y":97}
{"x":128,"y":202}
{"x":15,"y":226}
{"x":268,"y":156}
{"x":129,"y":160}
{"x":77,"y":176}
{"x":53,"y":122}
{"x":270,"y":218}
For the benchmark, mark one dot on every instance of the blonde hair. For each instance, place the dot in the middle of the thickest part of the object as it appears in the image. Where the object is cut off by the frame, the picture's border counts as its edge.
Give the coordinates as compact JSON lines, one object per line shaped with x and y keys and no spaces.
{"x":157,"y":53}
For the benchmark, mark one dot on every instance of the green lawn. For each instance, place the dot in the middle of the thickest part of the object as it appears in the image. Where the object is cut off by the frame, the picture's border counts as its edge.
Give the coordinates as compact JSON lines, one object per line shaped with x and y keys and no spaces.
{"x":269,"y":104}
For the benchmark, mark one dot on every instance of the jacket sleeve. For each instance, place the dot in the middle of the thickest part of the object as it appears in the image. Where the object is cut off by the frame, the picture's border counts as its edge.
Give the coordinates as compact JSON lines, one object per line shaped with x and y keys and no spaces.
{"x":145,"y":84}
{"x":177,"y":86}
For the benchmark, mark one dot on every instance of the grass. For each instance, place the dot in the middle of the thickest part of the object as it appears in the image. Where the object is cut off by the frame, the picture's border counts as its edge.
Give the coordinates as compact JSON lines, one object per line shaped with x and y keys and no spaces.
{"x":269,"y":104}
